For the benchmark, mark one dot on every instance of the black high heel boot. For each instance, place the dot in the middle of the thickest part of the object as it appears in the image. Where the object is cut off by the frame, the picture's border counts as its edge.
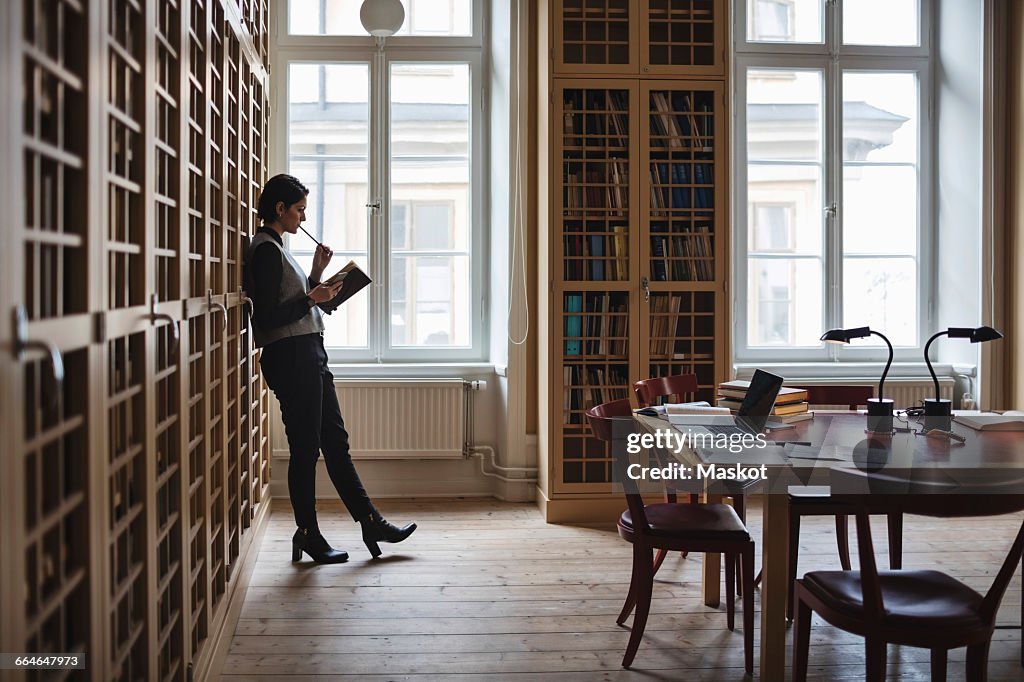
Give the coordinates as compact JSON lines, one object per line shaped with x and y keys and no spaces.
{"x":318,"y":549}
{"x":377,"y":529}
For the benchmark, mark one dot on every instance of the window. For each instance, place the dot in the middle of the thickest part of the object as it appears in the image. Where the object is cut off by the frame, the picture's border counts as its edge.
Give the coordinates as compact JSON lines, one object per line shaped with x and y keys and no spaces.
{"x":772,"y":20}
{"x":401,"y":198}
{"x":833,"y":176}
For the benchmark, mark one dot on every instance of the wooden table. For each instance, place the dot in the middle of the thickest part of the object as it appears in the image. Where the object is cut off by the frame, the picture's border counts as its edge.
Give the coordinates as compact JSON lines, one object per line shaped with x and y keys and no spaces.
{"x":901,"y":451}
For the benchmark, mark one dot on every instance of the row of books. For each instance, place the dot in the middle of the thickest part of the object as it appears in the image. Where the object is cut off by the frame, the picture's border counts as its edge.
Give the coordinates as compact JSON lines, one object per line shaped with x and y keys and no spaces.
{"x":790,"y":405}
{"x":599,"y":329}
{"x":596,"y":114}
{"x":687,"y":256}
{"x":676,"y":124}
{"x":671,"y":186}
{"x":588,"y":386}
{"x":675,"y":121}
{"x":597,"y":257}
{"x":664,"y":324}
{"x":593,"y":189}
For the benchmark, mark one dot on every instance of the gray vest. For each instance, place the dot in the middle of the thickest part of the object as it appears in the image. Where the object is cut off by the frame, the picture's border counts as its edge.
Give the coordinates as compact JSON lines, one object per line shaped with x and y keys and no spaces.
{"x":293,"y":285}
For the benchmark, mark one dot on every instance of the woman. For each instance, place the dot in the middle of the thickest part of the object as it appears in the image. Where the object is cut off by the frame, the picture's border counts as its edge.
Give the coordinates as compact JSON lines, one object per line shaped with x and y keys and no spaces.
{"x":288,"y":326}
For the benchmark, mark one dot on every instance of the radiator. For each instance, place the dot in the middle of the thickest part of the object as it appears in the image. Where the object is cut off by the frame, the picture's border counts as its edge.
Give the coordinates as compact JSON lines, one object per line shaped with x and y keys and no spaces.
{"x":404,"y":418}
{"x":904,"y":392}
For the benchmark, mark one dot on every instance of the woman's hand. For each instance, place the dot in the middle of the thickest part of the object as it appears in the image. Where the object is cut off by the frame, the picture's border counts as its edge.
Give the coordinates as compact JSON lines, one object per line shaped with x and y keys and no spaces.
{"x":321,"y":257}
{"x":324,"y":292}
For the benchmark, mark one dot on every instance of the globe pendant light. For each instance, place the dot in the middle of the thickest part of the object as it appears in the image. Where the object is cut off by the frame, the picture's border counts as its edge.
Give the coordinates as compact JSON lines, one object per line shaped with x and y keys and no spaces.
{"x":382,"y":18}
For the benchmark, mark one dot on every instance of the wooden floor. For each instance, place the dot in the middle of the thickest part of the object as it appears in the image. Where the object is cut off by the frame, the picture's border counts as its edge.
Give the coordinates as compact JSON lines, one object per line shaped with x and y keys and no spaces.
{"x":486,"y":590}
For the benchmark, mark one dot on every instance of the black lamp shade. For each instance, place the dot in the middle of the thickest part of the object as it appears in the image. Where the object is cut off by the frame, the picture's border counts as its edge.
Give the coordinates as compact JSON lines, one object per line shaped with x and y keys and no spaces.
{"x":845,"y":335}
{"x":983,"y":334}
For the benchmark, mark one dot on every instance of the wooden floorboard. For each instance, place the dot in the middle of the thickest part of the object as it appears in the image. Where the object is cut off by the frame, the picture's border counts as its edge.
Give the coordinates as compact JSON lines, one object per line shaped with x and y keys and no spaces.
{"x":485,"y":590}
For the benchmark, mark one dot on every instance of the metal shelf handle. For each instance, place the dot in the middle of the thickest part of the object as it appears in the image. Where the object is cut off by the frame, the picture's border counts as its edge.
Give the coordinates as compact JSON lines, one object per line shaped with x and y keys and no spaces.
{"x":154,"y":317}
{"x":22,"y":344}
{"x":220,"y":306}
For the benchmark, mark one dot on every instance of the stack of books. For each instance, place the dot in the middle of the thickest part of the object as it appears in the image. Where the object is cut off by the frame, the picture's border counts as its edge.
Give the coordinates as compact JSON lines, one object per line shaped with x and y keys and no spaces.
{"x":790,"y":405}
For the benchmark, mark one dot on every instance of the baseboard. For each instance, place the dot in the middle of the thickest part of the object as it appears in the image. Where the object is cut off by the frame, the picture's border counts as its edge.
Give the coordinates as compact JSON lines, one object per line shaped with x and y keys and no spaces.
{"x":581,"y":509}
{"x":585,"y":508}
{"x":213,"y":656}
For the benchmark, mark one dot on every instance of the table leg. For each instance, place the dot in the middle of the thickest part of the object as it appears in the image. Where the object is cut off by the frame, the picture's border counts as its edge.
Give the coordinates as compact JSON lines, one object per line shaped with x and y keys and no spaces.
{"x":712,"y":579}
{"x":774,"y":567}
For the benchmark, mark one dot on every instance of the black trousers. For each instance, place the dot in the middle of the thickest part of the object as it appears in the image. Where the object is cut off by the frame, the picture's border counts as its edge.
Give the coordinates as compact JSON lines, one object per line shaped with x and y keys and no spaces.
{"x":296,"y":370}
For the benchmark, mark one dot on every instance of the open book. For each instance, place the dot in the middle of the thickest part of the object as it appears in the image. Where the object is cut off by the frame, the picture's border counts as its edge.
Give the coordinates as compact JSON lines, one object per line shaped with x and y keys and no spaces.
{"x":1011,"y":420}
{"x":353,"y":280}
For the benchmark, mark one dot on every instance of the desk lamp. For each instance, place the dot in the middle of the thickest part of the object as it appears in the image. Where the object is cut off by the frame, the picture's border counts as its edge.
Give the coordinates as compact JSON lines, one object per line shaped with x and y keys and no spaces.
{"x":880,"y":408}
{"x":938,"y":411}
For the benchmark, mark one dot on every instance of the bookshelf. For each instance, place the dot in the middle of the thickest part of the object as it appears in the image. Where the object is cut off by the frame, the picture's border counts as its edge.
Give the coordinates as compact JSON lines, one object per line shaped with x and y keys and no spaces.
{"x":133,"y":491}
{"x":636,"y":257}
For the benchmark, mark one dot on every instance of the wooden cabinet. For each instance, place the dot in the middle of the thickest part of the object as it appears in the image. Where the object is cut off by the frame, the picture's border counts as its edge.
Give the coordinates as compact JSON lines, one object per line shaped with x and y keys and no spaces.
{"x":131,"y":489}
{"x":636,"y":260}
{"x":639,"y":37}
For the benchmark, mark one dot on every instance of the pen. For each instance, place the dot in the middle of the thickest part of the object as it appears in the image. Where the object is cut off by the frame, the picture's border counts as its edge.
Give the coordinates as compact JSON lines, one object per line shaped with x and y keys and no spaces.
{"x":309,"y":235}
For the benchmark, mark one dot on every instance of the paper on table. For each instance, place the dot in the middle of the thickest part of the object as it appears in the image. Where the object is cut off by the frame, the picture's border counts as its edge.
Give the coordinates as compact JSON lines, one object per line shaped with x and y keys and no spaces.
{"x":772,"y":454}
{"x":694,"y":408}
{"x":835,"y":453}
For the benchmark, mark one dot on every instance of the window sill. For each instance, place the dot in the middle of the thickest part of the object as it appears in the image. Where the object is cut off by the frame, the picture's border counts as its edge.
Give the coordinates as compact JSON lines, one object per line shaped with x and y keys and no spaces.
{"x":410,"y":370}
{"x":851,"y":370}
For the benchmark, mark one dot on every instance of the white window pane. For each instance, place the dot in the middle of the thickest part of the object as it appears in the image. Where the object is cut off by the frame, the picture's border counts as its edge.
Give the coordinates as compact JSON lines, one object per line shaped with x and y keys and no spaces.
{"x":341,"y":18}
{"x":798,"y":188}
{"x":430,"y":301}
{"x":879,"y":210}
{"x":785,"y":21}
{"x":304,"y":17}
{"x":784,"y":115}
{"x":881,"y":293}
{"x":430,"y":171}
{"x":880,"y":116}
{"x":303,"y":83}
{"x":328,"y":146}
{"x":899,"y":26}
{"x":784,"y":302}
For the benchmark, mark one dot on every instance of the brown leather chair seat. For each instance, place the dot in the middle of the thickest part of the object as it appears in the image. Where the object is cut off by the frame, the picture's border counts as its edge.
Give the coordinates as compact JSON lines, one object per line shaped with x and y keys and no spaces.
{"x":689,"y":520}
{"x":912,"y":598}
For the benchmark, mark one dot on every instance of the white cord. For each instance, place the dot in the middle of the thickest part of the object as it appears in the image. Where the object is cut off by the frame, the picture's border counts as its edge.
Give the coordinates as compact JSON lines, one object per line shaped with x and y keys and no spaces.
{"x":518,"y":232}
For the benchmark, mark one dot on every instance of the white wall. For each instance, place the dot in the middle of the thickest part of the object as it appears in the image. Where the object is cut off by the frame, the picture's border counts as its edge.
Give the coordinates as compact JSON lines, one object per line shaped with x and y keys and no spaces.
{"x":958,"y":155}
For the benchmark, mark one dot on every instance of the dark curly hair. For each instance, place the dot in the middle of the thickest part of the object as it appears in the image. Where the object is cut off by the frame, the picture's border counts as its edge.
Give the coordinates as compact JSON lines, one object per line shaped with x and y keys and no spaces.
{"x":283,"y":187}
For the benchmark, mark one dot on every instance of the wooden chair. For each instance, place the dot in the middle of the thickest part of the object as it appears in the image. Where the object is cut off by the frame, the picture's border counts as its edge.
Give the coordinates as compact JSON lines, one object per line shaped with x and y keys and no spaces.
{"x":679,"y":388}
{"x":713,"y":528}
{"x":920,"y":608}
{"x":850,"y":397}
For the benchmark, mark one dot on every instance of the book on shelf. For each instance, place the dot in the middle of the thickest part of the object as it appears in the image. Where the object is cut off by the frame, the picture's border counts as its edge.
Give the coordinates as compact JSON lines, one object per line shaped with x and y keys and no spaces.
{"x":573,"y":324}
{"x":353,"y":280}
{"x":737,"y":388}
{"x":621,"y":245}
{"x":596,"y":257}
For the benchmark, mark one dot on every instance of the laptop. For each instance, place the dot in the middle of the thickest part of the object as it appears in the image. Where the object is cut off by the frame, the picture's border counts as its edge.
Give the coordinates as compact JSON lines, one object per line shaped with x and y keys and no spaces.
{"x":757,"y":405}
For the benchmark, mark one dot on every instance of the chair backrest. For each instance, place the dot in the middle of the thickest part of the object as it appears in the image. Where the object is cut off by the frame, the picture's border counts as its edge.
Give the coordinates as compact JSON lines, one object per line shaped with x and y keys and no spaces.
{"x":852,"y":396}
{"x":680,"y":386}
{"x":602,"y":419}
{"x":931,"y":493}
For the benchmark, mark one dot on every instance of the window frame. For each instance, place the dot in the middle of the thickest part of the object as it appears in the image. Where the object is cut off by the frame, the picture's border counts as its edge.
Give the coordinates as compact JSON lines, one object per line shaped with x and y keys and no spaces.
{"x":315,"y":49}
{"x":831,"y":59}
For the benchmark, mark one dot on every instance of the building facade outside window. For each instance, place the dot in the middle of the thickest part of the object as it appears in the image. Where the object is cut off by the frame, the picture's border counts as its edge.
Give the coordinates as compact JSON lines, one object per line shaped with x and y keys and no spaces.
{"x":834,"y":177}
{"x":390,"y":144}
